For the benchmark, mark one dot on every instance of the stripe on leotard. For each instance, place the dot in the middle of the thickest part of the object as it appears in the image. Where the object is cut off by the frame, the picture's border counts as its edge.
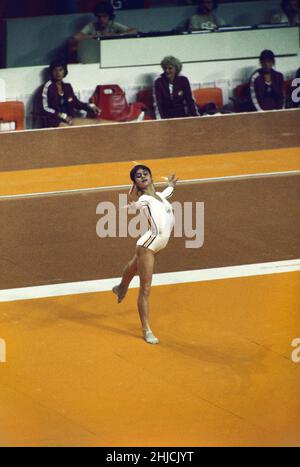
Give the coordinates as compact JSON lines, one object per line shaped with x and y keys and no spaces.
{"x":149,"y":241}
{"x":153,"y":225}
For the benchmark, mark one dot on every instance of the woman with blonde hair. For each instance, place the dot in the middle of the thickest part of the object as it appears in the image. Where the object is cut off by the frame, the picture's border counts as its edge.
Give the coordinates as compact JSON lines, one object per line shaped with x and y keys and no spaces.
{"x":172,"y":92}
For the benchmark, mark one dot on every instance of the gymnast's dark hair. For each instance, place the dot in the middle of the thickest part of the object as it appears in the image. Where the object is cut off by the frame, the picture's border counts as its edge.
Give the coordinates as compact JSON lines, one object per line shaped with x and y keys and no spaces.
{"x":136,"y":168}
{"x":104,"y":8}
{"x":58,"y":63}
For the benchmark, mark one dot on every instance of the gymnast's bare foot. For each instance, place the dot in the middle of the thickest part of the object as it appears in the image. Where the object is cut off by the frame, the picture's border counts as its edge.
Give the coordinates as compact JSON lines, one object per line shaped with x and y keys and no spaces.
{"x":120,"y":292}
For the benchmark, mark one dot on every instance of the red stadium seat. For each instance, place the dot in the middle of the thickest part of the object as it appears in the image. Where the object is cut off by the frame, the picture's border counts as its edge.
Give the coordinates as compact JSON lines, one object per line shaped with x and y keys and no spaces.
{"x":288,"y":89}
{"x":241,"y":98}
{"x":112,"y":101}
{"x":13,"y":111}
{"x":146,"y":97}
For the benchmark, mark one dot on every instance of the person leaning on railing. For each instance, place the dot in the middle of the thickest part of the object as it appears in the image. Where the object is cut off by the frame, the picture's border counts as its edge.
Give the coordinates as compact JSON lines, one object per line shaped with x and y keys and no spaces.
{"x":104,"y":26}
{"x":205,"y":18}
{"x":289,"y":14}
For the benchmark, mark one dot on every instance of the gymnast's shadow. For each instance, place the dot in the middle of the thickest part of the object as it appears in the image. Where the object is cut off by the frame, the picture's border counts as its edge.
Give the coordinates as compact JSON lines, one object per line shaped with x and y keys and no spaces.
{"x":95,"y":320}
{"x":37,"y":316}
{"x":240,"y":361}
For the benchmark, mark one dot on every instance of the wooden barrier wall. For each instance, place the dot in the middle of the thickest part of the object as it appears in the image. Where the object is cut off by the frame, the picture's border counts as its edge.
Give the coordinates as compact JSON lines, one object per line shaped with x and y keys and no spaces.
{"x":149,"y":140}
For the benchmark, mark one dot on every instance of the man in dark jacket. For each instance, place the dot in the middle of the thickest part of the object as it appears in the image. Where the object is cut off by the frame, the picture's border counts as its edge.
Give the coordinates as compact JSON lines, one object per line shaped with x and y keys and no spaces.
{"x":266,"y":84}
{"x":173,"y":96}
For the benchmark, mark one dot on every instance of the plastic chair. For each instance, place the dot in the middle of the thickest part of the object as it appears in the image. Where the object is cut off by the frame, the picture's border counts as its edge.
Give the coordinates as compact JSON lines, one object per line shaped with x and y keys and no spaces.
{"x":204,"y":96}
{"x":241,"y":98}
{"x":146,"y":97}
{"x":112,"y":101}
{"x":13,"y":111}
{"x":288,"y":86}
{"x":288,"y":89}
{"x":2,"y":90}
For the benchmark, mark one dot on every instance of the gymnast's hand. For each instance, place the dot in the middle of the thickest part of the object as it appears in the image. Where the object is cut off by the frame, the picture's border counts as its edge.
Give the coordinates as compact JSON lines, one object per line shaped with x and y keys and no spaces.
{"x":172,"y":180}
{"x":133,"y":194}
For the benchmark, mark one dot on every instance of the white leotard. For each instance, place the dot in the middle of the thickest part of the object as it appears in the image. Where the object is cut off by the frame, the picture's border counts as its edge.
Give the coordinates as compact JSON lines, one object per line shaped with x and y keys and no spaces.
{"x":160,"y":218}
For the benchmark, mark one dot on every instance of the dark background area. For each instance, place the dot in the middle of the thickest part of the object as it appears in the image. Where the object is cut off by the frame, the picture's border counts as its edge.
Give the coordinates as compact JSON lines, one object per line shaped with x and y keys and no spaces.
{"x":28,"y":8}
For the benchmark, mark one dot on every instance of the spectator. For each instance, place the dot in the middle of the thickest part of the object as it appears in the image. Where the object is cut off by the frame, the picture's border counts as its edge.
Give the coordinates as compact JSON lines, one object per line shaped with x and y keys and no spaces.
{"x":267,"y":85}
{"x":105,"y":25}
{"x":290,"y":13}
{"x":205,"y":17}
{"x":59,"y":101}
{"x":173,"y":95}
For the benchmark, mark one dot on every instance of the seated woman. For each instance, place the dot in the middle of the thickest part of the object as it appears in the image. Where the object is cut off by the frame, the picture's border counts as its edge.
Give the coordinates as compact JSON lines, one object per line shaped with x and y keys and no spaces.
{"x":205,"y":18}
{"x":173,"y":95}
{"x":267,"y":84}
{"x":59,"y":102}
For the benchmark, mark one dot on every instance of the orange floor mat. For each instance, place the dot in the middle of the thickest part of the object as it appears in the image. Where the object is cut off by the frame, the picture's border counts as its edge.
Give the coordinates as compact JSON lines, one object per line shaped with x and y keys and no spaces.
{"x":78,"y":373}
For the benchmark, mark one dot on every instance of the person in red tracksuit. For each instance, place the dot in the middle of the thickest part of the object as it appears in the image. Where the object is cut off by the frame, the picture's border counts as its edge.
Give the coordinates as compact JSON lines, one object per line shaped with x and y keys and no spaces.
{"x":172,"y":92}
{"x":59,"y":102}
{"x":267,"y":84}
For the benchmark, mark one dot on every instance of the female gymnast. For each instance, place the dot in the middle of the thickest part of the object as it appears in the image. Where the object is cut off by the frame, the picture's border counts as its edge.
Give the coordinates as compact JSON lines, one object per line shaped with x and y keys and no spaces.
{"x":161,"y":220}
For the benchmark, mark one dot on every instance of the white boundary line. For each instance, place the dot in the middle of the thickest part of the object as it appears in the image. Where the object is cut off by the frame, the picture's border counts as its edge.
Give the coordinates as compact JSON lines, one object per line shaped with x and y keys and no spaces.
{"x":119,"y":187}
{"x":169,"y":278}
